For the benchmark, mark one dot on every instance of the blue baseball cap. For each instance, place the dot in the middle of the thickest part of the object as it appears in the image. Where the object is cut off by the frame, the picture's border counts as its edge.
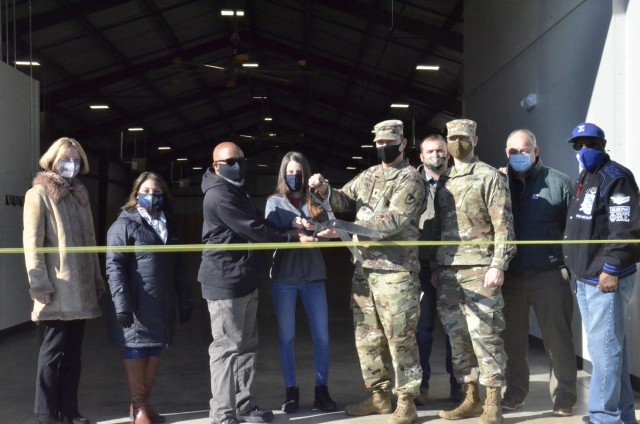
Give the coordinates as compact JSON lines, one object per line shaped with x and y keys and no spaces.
{"x":586,"y":130}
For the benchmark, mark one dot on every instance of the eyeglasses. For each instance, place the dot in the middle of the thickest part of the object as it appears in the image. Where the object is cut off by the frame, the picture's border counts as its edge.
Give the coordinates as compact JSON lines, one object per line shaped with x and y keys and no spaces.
{"x":588,"y":143}
{"x":232,"y":161}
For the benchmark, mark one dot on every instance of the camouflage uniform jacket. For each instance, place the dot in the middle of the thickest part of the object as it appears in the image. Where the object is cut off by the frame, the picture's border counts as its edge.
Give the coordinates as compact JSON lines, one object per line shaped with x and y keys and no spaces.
{"x":389,"y":201}
{"x":475,"y":204}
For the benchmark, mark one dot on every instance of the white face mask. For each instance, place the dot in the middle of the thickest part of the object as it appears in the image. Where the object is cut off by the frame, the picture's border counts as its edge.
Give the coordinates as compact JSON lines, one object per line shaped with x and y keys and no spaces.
{"x":68,"y":168}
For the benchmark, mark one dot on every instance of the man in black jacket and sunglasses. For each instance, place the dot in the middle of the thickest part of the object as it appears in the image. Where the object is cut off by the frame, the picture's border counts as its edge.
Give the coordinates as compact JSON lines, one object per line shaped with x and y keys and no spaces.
{"x":229,"y":280}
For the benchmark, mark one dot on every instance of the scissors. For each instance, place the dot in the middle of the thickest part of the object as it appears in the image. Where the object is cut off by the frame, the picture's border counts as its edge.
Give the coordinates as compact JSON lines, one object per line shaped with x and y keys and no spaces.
{"x":344,"y":229}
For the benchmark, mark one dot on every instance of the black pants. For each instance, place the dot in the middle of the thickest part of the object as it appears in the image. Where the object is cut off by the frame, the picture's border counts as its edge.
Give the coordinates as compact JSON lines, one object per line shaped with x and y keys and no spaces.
{"x":59,"y":367}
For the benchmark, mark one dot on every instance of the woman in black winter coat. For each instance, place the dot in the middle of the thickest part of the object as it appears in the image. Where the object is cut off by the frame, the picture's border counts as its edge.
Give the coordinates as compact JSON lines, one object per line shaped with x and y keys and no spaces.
{"x":145,"y":287}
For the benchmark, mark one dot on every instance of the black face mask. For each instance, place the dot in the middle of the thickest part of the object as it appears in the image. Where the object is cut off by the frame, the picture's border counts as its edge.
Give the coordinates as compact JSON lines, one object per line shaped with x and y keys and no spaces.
{"x":389,"y":153}
{"x":294,"y":181}
{"x":235,"y":172}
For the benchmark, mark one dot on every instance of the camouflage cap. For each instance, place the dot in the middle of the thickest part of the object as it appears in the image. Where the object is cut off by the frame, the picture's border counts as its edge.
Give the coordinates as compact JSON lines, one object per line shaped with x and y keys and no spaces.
{"x":388,"y":130}
{"x":465,"y":127}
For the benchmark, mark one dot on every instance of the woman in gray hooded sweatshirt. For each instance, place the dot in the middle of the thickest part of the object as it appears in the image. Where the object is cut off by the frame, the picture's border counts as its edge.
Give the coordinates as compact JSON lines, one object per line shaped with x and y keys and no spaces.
{"x":299,"y":273}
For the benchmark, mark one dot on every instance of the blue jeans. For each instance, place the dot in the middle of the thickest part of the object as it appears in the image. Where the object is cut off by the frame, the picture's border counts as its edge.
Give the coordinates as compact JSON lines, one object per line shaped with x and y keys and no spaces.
{"x":603,"y":316}
{"x":314,"y":300}
{"x":424,"y":331}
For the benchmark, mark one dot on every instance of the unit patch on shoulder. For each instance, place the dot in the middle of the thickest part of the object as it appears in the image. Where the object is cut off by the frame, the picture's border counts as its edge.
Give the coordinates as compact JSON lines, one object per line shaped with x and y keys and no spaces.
{"x":620,"y":199}
{"x":410,"y":199}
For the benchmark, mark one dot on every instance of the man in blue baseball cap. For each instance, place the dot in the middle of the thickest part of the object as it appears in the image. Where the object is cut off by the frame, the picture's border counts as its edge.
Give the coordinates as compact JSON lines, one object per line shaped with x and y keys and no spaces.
{"x":605,"y":207}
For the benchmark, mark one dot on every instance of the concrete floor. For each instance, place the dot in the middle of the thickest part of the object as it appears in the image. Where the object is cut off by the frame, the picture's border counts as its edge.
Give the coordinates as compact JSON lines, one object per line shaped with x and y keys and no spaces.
{"x":182,"y":389}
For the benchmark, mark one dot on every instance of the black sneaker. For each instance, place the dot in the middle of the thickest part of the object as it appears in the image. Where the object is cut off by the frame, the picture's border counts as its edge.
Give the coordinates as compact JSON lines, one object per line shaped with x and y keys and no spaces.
{"x":257,"y":415}
{"x":229,"y":420}
{"x":323,"y":401}
{"x":291,"y":403}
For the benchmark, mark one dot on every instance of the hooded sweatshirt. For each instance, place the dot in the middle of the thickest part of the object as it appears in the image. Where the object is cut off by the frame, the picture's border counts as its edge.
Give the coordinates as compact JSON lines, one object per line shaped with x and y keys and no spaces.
{"x":231,"y":217}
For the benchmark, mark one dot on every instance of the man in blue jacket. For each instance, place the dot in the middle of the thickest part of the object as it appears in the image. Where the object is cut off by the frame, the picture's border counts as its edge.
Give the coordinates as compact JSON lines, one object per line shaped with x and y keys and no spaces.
{"x":229,"y":280}
{"x":605,"y":207}
{"x":537,"y":276}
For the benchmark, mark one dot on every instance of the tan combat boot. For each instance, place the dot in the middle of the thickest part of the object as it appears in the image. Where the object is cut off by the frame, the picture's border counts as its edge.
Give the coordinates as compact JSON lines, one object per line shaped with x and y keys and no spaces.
{"x":378,"y":403}
{"x":492,"y":411}
{"x":471,"y":406}
{"x":406,"y":412}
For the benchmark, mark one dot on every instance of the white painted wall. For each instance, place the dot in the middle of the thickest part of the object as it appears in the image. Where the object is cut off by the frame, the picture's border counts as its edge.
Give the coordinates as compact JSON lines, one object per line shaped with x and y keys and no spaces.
{"x":20,"y":141}
{"x":582,"y":59}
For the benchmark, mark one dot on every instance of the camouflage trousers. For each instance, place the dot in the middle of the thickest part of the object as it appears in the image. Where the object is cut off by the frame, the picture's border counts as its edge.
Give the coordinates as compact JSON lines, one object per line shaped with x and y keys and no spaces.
{"x":386,"y":308}
{"x":471,"y":315}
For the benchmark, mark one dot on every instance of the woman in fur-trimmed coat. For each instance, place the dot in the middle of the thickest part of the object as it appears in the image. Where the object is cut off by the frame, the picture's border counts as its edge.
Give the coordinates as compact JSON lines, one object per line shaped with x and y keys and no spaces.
{"x":65,"y":286}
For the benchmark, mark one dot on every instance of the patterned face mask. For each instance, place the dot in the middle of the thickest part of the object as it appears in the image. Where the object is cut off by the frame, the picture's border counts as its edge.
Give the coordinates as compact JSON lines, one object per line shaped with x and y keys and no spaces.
{"x":151,"y":202}
{"x":69,"y":168}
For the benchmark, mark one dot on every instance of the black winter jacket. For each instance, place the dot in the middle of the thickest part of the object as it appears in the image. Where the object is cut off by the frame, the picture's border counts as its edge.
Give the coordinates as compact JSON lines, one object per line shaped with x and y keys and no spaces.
{"x":231,"y":217}
{"x":145,"y":283}
{"x":605,"y":207}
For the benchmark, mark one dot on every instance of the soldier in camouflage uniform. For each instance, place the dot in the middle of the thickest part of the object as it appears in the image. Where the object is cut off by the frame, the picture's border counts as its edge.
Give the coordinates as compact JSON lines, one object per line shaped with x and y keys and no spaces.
{"x":385,"y":291}
{"x":473,"y":205}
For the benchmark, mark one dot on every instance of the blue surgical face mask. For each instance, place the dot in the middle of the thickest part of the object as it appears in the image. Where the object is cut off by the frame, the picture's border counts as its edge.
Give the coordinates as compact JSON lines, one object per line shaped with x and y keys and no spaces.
{"x":69,"y":168}
{"x":294,"y":181}
{"x":151,"y":202}
{"x":520,"y":162}
{"x":589,"y":159}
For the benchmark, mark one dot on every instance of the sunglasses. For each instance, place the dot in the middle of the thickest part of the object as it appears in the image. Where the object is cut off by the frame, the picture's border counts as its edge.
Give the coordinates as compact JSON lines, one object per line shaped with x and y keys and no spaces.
{"x":232,"y":161}
{"x":589,"y":144}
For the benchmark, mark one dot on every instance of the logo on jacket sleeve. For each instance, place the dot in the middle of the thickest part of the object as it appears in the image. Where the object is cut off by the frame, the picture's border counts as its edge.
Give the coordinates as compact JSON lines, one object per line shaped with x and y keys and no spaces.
{"x":619,"y":213}
{"x":620,"y":199}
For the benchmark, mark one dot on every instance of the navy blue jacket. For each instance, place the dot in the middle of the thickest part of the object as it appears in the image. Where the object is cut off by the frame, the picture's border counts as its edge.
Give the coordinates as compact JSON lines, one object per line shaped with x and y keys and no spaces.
{"x":605,"y":207}
{"x":146,"y":283}
{"x":292,"y":265}
{"x":231,"y":217}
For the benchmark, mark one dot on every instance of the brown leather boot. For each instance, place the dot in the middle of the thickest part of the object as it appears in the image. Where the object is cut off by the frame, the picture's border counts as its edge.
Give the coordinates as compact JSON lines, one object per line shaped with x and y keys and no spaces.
{"x":151,"y":369}
{"x":135,"y":372}
{"x":153,"y":362}
{"x":492,"y":410}
{"x":377,"y":403}
{"x":471,"y":406}
{"x":405,"y":412}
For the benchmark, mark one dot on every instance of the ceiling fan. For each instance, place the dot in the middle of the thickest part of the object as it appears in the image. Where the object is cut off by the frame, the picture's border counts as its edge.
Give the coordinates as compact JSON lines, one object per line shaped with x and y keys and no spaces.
{"x":240,"y":66}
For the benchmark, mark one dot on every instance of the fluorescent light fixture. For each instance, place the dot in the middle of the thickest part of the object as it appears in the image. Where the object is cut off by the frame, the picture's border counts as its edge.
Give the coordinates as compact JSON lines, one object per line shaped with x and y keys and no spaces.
{"x":356,"y":157}
{"x":94,"y":107}
{"x":239,"y":12}
{"x":272,"y":134}
{"x":260,"y":97}
{"x":164,"y":148}
{"x":214,"y":67}
{"x":262,"y":165}
{"x":351,"y":167}
{"x":428,"y":67}
{"x":135,"y":129}
{"x":268,"y":118}
{"x":226,"y":12}
{"x":26,"y":63}
{"x":246,"y":136}
{"x":399,"y":105}
{"x":367,"y":146}
{"x":250,"y":65}
{"x":196,"y":168}
{"x":182,"y":159}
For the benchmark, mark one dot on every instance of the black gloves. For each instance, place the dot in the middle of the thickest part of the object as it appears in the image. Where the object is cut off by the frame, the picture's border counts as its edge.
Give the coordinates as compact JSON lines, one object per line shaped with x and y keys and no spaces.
{"x":125,"y":319}
{"x":185,"y":315}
